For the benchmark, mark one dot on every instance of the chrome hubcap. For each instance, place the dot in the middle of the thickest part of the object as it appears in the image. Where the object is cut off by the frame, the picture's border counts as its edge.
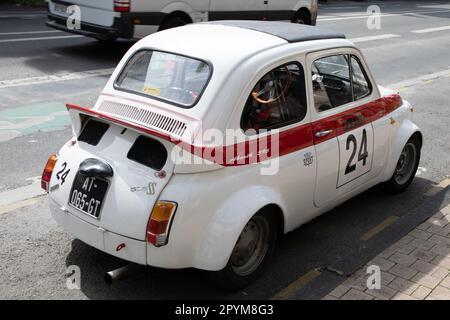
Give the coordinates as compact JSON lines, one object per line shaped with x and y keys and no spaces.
{"x":251,"y":247}
{"x":406,"y":163}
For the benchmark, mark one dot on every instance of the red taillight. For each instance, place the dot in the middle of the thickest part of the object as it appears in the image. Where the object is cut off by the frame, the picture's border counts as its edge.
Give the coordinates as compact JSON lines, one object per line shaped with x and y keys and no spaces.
{"x":159,"y":223}
{"x":47,"y":174}
{"x":122,"y":5}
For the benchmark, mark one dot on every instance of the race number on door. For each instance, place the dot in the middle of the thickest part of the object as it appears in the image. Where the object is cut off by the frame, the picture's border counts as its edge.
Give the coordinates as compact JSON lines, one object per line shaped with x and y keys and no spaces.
{"x":355,"y":154}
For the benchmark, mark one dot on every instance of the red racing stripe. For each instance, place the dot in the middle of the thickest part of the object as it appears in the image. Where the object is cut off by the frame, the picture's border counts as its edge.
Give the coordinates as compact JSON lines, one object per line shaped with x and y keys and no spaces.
{"x":285,"y":142}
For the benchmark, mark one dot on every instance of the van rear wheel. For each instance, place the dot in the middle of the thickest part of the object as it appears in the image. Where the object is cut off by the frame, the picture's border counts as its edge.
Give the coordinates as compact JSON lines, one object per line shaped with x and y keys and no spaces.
{"x":251,"y":254}
{"x":173,"y":21}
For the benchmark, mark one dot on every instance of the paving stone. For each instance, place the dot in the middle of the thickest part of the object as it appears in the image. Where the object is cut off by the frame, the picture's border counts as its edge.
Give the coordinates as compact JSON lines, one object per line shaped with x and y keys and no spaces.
{"x":385,"y":293}
{"x":423,"y":255}
{"x":339,"y":291}
{"x":329,"y":298}
{"x":424,"y":267}
{"x":433,"y":221}
{"x":355,"y":294}
{"x":446,"y":210}
{"x":386,"y":278}
{"x":402,"y":271}
{"x":441,"y":293}
{"x":440,"y":240}
{"x":426,"y":280}
{"x":402,"y":259}
{"x":442,"y":250}
{"x":446,"y":282}
{"x":403,"y":286}
{"x":402,"y":296}
{"x":387,"y":253}
{"x":422,"y":244}
{"x":440,"y":273}
{"x":424,"y":226}
{"x":421,"y":292}
{"x":356,"y":283}
{"x":442,"y":262}
{"x":406,"y":239}
{"x":440,"y":231}
{"x":420,"y":234}
{"x":384,"y":264}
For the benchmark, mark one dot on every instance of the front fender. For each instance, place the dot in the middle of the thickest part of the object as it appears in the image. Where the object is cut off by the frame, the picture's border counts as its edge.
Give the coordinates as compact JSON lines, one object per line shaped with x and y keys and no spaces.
{"x":227,"y":223}
{"x":400,"y":136}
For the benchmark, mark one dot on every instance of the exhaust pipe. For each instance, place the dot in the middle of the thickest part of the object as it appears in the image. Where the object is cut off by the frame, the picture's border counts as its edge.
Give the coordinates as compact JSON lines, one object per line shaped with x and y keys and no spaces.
{"x":121,"y":273}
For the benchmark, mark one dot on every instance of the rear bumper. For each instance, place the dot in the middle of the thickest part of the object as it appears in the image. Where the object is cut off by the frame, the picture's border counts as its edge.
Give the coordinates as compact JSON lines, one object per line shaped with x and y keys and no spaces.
{"x":104,"y":240}
{"x":122,"y":28}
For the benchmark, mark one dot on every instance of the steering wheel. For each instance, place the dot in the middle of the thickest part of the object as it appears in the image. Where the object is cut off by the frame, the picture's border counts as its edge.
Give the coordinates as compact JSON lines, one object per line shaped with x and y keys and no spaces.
{"x":273,"y":87}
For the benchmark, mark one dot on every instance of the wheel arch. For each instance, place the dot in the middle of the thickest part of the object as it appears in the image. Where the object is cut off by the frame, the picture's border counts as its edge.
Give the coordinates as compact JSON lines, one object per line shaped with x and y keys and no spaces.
{"x":229,"y":221}
{"x":407,"y":130}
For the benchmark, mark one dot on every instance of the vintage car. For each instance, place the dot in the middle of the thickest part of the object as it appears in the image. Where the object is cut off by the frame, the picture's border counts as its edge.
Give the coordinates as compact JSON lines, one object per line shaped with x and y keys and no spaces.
{"x":212,"y":140}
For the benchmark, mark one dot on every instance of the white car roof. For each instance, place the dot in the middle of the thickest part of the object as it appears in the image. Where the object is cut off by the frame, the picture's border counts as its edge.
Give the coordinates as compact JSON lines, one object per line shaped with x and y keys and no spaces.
{"x":233,"y":40}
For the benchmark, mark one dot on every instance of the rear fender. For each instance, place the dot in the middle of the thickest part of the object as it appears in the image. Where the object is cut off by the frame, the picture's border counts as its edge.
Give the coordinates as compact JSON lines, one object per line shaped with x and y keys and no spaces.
{"x":227,"y":223}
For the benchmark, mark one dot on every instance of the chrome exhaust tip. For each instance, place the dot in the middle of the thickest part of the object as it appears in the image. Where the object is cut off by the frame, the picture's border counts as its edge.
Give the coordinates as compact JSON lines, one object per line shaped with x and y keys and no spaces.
{"x":121,"y":273}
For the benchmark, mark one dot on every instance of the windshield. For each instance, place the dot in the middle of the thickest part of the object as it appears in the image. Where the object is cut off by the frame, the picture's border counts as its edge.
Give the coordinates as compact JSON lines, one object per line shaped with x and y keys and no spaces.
{"x":166,"y":76}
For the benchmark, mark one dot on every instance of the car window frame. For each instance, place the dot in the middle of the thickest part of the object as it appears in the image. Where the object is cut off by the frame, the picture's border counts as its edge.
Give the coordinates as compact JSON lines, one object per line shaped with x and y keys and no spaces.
{"x":255,"y":81}
{"x":311,"y":56}
{"x":174,"y":103}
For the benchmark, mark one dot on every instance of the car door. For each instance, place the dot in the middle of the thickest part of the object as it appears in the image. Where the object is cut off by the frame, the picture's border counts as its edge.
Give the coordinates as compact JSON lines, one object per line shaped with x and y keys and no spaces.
{"x":238,"y":10}
{"x":342,"y":128}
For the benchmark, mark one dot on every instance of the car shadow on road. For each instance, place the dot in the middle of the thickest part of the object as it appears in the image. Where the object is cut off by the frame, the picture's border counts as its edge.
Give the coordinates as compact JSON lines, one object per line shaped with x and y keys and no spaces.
{"x":329,"y":242}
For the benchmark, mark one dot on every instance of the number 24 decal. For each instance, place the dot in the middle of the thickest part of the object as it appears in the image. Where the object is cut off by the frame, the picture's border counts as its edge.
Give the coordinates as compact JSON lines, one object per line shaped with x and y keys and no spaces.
{"x":362,"y":154}
{"x":62,"y":174}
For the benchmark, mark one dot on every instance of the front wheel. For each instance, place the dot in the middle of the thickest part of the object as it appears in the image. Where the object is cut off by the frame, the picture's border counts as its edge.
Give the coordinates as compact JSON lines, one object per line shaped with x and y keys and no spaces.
{"x":251,"y":254}
{"x":406,"y":168}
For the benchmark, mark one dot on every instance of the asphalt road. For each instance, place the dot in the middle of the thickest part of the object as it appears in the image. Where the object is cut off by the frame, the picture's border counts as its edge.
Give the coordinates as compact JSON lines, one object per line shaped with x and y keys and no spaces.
{"x":407,"y":53}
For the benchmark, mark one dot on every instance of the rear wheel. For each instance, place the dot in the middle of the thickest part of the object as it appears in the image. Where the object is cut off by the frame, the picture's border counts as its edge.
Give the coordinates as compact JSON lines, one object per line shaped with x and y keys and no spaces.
{"x":302,"y":17}
{"x":406,"y":167}
{"x":251,"y":254}
{"x":173,"y":21}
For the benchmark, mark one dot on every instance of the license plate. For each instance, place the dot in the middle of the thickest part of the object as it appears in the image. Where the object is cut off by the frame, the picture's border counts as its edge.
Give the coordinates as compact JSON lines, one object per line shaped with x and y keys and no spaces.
{"x":61,"y":9}
{"x":87,"y":194}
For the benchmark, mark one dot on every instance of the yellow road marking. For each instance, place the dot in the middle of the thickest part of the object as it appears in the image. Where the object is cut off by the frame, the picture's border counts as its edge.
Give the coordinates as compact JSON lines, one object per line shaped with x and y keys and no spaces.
{"x":378,"y":228}
{"x":296,"y":285}
{"x":442,"y":185}
{"x":17,"y":205}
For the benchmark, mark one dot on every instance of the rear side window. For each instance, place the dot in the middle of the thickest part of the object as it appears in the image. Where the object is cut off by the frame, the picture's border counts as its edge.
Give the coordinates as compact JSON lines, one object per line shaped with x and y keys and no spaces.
{"x":148,"y":152}
{"x":93,"y":132}
{"x":277,"y":100}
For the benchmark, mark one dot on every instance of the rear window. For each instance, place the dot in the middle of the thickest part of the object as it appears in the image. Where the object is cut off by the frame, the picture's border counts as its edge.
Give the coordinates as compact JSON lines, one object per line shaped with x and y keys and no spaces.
{"x":165,"y":76}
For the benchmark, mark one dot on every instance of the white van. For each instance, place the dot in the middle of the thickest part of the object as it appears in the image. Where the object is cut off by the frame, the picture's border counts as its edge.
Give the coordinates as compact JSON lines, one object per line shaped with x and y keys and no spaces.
{"x":112,"y":19}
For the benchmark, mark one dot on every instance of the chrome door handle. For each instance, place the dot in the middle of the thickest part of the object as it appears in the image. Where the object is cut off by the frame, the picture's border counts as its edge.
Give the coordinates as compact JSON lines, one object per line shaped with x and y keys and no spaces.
{"x":323,"y":133}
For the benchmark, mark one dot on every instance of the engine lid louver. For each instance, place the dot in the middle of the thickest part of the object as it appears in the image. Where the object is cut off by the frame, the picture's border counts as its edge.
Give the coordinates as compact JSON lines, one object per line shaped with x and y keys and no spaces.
{"x":145,"y":117}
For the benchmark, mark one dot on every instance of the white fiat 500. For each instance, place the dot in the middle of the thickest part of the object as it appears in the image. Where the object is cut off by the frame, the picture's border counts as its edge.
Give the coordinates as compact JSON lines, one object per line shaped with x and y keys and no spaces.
{"x":212,"y":140}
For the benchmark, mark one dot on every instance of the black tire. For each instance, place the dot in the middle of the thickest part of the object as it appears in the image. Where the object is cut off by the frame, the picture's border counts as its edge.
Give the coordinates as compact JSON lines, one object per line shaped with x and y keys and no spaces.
{"x":406,"y":168}
{"x":302,"y":17}
{"x":173,"y":22}
{"x":237,"y":274}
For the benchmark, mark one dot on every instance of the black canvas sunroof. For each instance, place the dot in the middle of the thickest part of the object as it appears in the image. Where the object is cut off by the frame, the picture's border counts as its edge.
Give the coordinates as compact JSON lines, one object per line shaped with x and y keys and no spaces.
{"x":291,"y":32}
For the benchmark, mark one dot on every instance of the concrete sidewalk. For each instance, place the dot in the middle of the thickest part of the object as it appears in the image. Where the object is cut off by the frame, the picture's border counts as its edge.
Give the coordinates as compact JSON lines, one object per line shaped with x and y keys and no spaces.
{"x":417,"y":267}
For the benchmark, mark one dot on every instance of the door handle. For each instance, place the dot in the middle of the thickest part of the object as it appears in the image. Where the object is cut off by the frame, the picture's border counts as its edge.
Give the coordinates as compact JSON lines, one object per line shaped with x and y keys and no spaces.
{"x":323,"y":133}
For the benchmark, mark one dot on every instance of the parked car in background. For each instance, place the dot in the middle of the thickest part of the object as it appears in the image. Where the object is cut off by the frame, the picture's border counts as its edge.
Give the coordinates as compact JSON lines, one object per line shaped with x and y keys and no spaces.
{"x":112,"y":19}
{"x":122,"y":183}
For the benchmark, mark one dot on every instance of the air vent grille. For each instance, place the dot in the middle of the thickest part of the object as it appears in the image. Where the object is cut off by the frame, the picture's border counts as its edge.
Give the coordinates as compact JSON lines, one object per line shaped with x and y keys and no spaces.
{"x":145,"y":117}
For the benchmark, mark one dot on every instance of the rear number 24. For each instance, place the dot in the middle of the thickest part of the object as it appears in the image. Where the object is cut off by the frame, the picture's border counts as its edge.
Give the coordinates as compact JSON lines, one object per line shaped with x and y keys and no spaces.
{"x":362,"y":154}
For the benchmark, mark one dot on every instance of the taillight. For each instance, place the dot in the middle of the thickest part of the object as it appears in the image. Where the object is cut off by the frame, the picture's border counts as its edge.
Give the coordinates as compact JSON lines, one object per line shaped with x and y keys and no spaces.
{"x":47,"y":174}
{"x":159,"y":224}
{"x":122,"y":5}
